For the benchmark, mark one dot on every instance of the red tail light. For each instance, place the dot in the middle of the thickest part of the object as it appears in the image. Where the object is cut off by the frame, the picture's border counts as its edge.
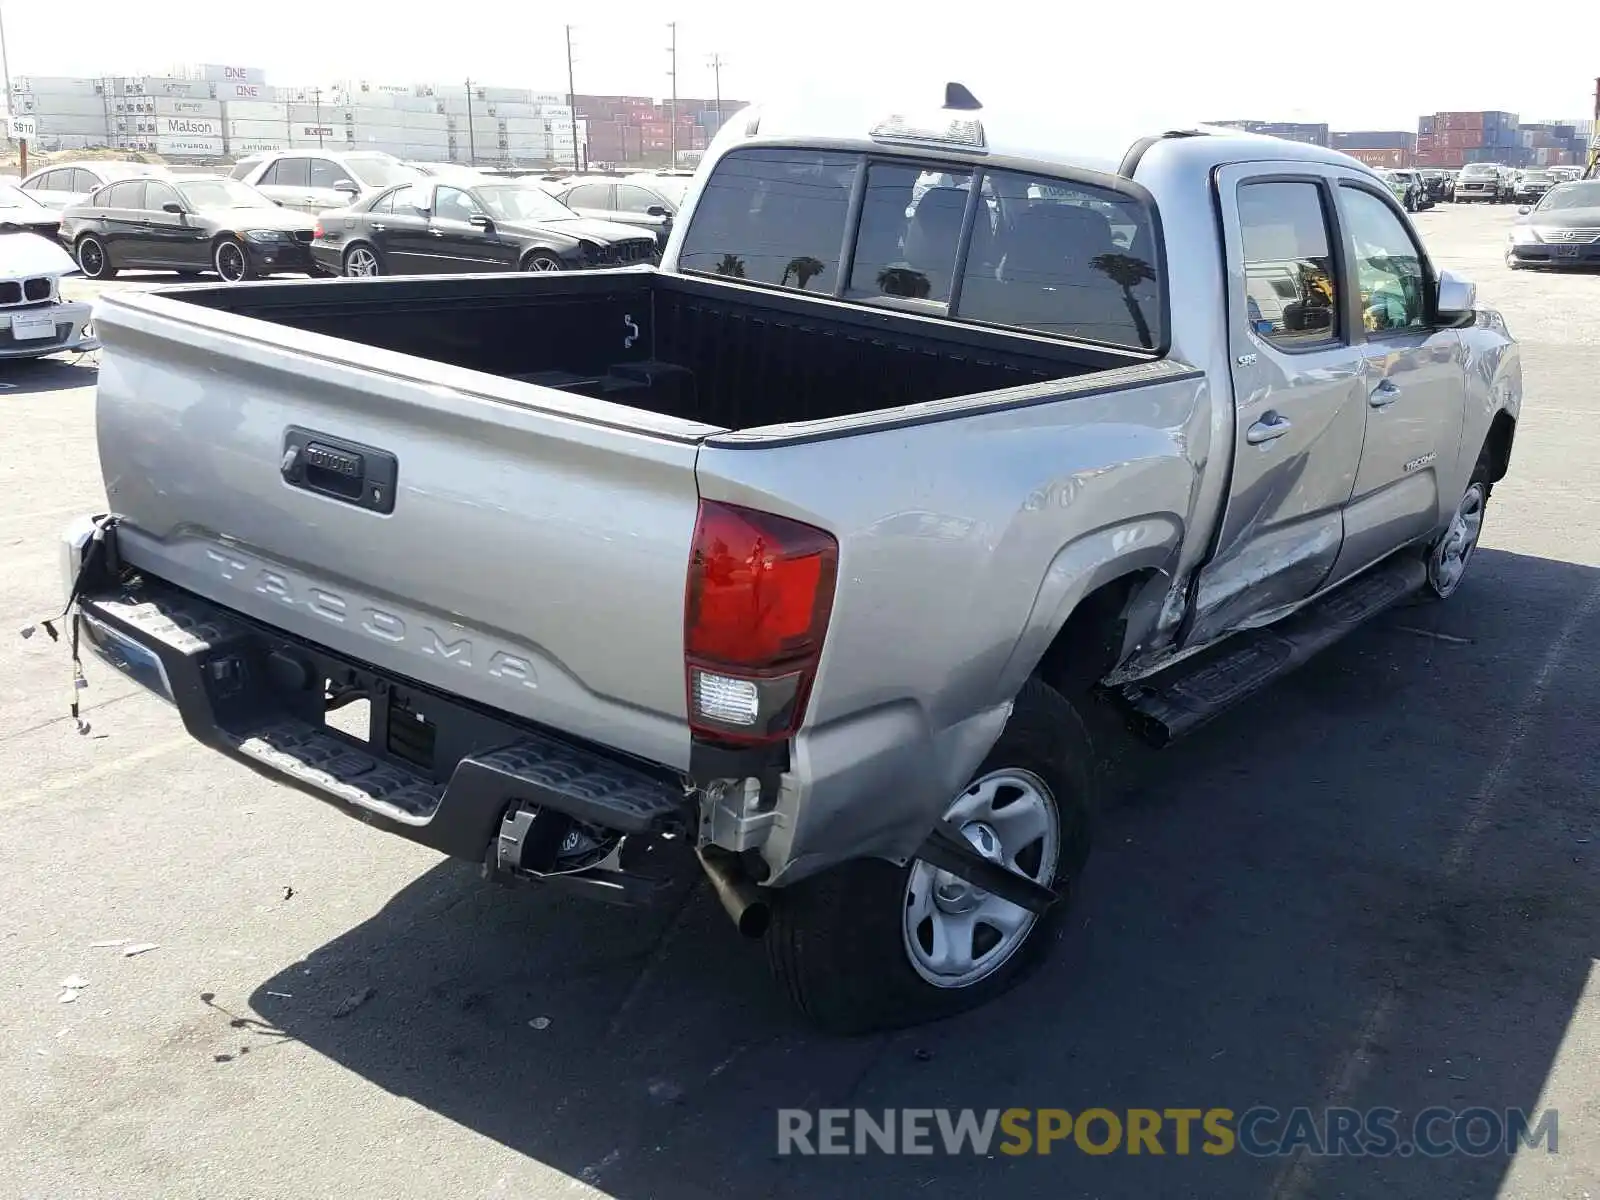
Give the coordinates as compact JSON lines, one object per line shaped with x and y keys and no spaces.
{"x":756,"y":610}
{"x":316,"y":230}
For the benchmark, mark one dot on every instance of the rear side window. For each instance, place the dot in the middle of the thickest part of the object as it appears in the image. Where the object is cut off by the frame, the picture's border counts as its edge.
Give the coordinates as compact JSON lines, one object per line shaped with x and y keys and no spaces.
{"x":775,"y":216}
{"x":590,"y":195}
{"x":1291,"y":297}
{"x":1063,"y":258}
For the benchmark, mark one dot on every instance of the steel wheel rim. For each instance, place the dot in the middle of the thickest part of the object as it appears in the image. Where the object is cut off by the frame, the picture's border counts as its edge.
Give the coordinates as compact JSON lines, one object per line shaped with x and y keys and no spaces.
{"x":361,"y":263}
{"x":230,"y":262}
{"x":541,"y":263}
{"x":956,"y":935}
{"x":1459,"y":541}
{"x":91,"y":258}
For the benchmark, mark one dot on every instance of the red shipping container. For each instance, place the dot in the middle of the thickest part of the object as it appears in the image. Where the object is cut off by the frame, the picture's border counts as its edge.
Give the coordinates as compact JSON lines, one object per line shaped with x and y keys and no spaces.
{"x":1425,"y":143}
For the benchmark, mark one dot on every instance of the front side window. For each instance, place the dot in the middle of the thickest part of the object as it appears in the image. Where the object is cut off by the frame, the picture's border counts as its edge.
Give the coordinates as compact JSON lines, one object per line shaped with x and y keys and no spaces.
{"x":632,"y":198}
{"x":452,"y":204}
{"x":158,"y":195}
{"x":774,"y":216}
{"x":1389,"y":268}
{"x":1291,"y":297}
{"x":1063,"y":258}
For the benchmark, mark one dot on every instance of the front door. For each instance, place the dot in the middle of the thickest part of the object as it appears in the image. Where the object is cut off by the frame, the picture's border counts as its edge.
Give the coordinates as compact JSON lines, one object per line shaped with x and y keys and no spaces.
{"x":1414,"y":374}
{"x":1299,"y":397}
{"x":458,"y":244}
{"x":172,"y":240}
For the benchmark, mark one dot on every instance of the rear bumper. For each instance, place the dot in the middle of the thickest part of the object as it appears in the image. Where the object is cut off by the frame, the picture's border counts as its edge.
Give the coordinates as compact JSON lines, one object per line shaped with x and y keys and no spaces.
{"x":433,"y":770}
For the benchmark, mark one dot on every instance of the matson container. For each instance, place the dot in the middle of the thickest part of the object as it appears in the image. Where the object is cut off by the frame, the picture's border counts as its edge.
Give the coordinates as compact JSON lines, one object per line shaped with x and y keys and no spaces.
{"x":195,"y":147}
{"x":185,"y":127}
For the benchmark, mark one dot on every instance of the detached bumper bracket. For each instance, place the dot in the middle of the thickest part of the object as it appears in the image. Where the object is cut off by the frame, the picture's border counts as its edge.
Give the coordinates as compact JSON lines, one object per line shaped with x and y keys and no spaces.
{"x":948,"y":850}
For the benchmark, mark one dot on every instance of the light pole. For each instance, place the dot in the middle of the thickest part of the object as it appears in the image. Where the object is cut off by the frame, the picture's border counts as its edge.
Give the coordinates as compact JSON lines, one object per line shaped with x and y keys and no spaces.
{"x":672,"y":112}
{"x":572,"y":104}
{"x":472,"y":140}
{"x":716,"y":74}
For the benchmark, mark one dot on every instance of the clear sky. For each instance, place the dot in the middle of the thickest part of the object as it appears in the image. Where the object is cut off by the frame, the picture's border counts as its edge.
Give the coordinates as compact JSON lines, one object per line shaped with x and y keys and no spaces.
{"x":1357,"y":66}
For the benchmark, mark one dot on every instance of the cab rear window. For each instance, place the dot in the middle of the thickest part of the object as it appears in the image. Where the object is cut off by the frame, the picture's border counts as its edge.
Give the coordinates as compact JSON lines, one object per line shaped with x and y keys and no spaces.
{"x":1062,"y":257}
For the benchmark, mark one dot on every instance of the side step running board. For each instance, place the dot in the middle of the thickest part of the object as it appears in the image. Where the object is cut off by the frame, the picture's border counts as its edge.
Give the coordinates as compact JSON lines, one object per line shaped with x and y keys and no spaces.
{"x":1178,"y":701}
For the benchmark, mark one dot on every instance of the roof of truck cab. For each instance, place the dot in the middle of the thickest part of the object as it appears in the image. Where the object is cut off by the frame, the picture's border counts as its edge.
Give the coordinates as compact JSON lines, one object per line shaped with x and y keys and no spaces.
{"x":1071,"y":137}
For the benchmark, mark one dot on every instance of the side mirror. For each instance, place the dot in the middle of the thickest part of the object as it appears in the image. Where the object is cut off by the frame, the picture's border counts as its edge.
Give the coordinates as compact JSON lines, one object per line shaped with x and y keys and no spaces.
{"x":480,"y":221}
{"x":655,"y":210}
{"x":172,"y":206}
{"x":348,"y":187}
{"x":1457,"y":300}
{"x":1524,"y":209}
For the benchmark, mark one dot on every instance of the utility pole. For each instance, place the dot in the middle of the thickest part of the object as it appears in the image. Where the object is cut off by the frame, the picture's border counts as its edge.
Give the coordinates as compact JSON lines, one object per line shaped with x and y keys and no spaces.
{"x":1594,"y":137}
{"x":5,"y":64}
{"x":316,"y":95}
{"x":672,"y":27}
{"x":716,"y":74}
{"x":472,"y":139}
{"x":572,"y":104}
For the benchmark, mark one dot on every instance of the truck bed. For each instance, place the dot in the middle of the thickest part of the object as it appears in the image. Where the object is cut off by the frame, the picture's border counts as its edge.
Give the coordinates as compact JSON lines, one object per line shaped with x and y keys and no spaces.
{"x":718,"y":354}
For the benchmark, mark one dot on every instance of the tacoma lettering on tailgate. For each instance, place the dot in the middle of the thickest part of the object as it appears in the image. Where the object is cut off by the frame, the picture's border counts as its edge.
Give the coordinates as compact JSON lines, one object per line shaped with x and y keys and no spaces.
{"x":414,"y":635}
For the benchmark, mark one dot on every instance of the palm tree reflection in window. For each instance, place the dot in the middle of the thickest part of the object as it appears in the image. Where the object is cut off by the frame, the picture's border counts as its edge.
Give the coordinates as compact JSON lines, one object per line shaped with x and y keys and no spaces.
{"x":730,"y":265}
{"x":903,"y":281}
{"x":1128,"y":272}
{"x":804,"y":269}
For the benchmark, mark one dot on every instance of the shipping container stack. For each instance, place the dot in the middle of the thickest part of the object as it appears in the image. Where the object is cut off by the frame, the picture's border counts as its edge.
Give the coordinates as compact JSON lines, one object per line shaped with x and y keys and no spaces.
{"x":637,"y":131}
{"x":392,"y":120}
{"x":176,"y":118}
{"x":1289,"y":131}
{"x":1557,"y":143}
{"x":1453,"y":139}
{"x":71,"y":113}
{"x":505,"y":126}
{"x":1377,"y":147}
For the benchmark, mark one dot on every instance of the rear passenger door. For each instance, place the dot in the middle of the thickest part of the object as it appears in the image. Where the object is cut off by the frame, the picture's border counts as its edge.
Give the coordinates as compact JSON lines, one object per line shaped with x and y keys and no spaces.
{"x":288,"y":181}
{"x":591,"y":200}
{"x":1413,"y":374}
{"x":127,"y":227}
{"x":1299,"y":391}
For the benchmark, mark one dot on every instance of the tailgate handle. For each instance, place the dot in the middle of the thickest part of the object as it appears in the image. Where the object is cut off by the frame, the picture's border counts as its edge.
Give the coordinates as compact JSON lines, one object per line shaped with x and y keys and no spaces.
{"x":364,"y":476}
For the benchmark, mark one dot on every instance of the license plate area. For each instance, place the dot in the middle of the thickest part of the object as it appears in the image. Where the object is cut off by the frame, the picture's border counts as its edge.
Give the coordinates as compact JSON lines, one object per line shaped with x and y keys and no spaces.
{"x":27,"y":327}
{"x":1569,"y":251}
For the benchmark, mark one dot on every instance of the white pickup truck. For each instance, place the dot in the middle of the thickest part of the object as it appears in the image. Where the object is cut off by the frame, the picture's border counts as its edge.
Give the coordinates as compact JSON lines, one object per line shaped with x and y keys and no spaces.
{"x":804,"y":552}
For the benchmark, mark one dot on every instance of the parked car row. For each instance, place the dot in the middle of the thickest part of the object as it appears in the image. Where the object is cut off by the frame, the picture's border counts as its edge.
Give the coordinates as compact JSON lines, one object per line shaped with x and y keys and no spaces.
{"x":327,"y":212}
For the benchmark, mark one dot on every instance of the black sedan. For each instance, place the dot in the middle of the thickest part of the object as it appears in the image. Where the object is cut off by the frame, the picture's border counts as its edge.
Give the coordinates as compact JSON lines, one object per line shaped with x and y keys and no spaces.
{"x":21,"y":211}
{"x":188,"y":226}
{"x":1562,"y":230}
{"x":433,"y":227}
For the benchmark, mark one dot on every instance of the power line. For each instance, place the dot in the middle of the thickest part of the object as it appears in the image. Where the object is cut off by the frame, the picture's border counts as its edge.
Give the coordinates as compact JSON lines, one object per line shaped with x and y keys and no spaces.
{"x":672,"y":112}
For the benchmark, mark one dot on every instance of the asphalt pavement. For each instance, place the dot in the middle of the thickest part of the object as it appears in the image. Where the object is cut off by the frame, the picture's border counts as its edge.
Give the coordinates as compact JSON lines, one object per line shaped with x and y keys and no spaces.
{"x":1372,"y":885}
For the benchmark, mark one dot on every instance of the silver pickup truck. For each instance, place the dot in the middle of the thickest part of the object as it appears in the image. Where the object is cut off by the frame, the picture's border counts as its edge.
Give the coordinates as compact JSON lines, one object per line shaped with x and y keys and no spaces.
{"x":805,"y":553}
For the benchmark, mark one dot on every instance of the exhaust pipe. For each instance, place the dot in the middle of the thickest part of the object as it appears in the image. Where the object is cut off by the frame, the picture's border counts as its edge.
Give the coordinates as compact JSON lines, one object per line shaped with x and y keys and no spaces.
{"x":739,"y":896}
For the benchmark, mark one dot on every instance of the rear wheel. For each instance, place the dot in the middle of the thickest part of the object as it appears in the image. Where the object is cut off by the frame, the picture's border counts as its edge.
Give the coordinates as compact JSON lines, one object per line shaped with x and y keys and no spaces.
{"x":93,"y":260}
{"x":230,"y":260}
{"x":542,"y":260}
{"x":361,"y":261}
{"x":870,"y":945}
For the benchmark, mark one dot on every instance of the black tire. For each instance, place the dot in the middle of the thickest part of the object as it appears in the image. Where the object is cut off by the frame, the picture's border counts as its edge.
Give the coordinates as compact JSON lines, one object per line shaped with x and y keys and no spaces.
{"x":358,"y":253}
{"x":1438,"y":589}
{"x":837,"y":941}
{"x":541,"y":260}
{"x":96,"y":257}
{"x":231,"y":260}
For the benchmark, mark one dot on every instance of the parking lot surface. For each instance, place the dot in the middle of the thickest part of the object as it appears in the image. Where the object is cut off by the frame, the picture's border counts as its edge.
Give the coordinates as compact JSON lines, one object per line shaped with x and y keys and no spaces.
{"x":1373,"y":885}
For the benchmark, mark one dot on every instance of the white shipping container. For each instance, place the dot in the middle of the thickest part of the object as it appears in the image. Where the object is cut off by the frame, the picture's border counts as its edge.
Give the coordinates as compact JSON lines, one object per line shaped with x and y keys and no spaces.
{"x":249,"y":145}
{"x":543,"y":98}
{"x":324,"y":114}
{"x":556,"y":112}
{"x":495,"y":95}
{"x":70,"y":85}
{"x":252,"y":110}
{"x":375,"y":118}
{"x":507,"y":110}
{"x":515,"y":125}
{"x":232,"y":73}
{"x":310,"y":131}
{"x":80,"y":126}
{"x":185,"y":127}
{"x":174,"y":106}
{"x":255,"y":129}
{"x":245,"y":91}
{"x":55,"y":104}
{"x":191,"y":147}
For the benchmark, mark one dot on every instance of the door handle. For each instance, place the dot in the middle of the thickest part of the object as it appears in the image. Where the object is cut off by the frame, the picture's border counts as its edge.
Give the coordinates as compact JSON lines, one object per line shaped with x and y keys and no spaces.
{"x":437,"y":232}
{"x":1384,"y":394}
{"x":1265,"y":430}
{"x":376,"y":228}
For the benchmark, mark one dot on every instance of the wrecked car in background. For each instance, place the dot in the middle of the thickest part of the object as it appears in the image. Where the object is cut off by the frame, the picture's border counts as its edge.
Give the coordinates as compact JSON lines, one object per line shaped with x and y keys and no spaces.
{"x":35,"y":319}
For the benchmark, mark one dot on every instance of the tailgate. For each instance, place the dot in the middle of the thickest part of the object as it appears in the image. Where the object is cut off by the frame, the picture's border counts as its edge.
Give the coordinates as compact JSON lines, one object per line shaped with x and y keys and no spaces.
{"x":530,"y":556}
